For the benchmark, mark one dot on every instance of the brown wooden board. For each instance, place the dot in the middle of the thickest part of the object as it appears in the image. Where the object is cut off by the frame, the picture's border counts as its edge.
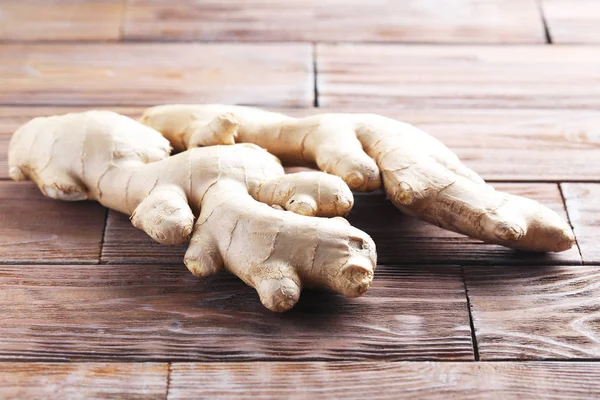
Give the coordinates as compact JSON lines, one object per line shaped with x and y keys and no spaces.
{"x":38,"y":229}
{"x":149,"y":74}
{"x":458,"y":76}
{"x":400,"y":239}
{"x":361,"y":380}
{"x":466,"y":21}
{"x":573,"y":22}
{"x":42,"y":20}
{"x":20,"y":380}
{"x":540,"y":312}
{"x":583,"y":204}
{"x":160,"y":312}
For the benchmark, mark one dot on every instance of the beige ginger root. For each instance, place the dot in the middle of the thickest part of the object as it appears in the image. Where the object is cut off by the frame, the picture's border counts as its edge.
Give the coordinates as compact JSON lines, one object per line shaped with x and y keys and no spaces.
{"x":421,"y":176}
{"x":103,"y":156}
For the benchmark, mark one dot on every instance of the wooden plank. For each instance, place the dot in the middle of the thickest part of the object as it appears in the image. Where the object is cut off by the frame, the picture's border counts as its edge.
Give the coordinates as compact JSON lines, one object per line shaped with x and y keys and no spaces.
{"x":573,"y":22}
{"x":149,"y":74}
{"x":509,"y":145}
{"x":466,"y":21}
{"x":458,"y":76}
{"x":38,"y":229}
{"x":535,"y":313}
{"x":42,"y":20}
{"x":584,"y":213}
{"x":400,"y":239}
{"x":422,"y":380}
{"x":20,"y":380}
{"x":160,"y":312}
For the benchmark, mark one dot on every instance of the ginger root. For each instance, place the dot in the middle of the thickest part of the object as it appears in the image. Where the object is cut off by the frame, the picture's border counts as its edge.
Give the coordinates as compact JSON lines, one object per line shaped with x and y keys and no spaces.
{"x":103,"y":156}
{"x":421,"y":176}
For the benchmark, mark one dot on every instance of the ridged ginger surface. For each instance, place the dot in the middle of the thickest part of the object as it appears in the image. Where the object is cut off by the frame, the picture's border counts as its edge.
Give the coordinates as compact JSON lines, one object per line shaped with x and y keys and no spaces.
{"x":420,"y":175}
{"x":214,"y":196}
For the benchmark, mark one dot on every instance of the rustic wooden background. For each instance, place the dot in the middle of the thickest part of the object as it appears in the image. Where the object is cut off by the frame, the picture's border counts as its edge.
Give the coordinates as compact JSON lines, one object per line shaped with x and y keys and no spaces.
{"x":90,"y":306}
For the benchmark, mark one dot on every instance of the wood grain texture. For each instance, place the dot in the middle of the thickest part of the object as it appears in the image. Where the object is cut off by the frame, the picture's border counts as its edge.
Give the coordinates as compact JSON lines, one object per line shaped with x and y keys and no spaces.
{"x":38,"y":229}
{"x":535,"y":313}
{"x":584,"y":213}
{"x":470,"y":21}
{"x":159,"y":312}
{"x":20,"y":380}
{"x":392,"y":380}
{"x":510,"y":145}
{"x":149,"y":74}
{"x":458,"y":76}
{"x":573,"y":21}
{"x":400,"y":239}
{"x":41,"y":20}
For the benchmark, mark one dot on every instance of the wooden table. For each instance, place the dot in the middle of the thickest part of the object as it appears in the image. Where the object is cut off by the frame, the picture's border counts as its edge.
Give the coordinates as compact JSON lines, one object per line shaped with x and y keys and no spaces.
{"x":90,"y":306}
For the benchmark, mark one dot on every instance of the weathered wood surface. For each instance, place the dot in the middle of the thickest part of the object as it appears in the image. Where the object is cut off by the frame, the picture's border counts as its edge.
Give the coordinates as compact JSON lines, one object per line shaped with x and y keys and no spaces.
{"x":19,"y":380}
{"x":584,"y":212}
{"x":400,"y":239}
{"x":158,"y":312}
{"x":423,"y":380}
{"x":509,"y":145}
{"x":149,"y":74}
{"x":299,"y":380}
{"x":458,"y":76}
{"x":573,"y":21}
{"x":38,"y":229}
{"x":42,"y":20}
{"x":540,"y":312}
{"x":467,"y":21}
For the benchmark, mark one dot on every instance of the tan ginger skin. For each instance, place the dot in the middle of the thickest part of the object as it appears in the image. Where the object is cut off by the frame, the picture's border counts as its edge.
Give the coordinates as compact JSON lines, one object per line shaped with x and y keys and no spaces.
{"x":421,"y":176}
{"x":103,"y":156}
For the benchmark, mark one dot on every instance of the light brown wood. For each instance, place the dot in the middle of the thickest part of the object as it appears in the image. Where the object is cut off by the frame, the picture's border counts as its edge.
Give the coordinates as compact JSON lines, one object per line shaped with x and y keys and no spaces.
{"x":466,"y":21}
{"x":400,"y":239}
{"x":573,"y":21}
{"x":38,"y":229}
{"x":458,"y":76}
{"x":510,"y":145}
{"x":535,"y":313}
{"x":19,"y":380}
{"x":422,"y":380}
{"x":149,"y":74}
{"x":584,"y":213}
{"x":159,"y":312}
{"x":42,"y":20}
